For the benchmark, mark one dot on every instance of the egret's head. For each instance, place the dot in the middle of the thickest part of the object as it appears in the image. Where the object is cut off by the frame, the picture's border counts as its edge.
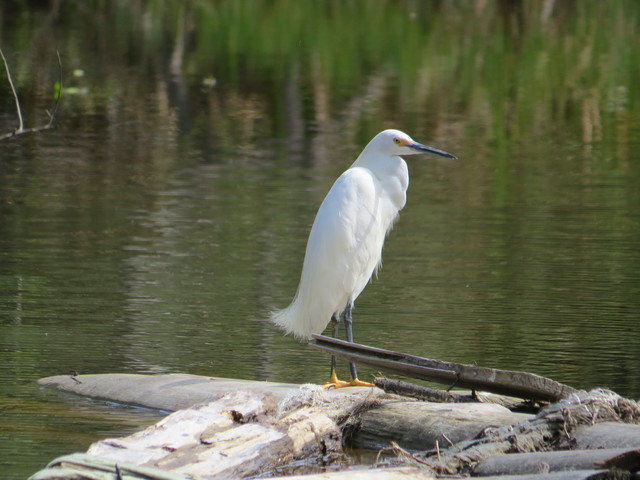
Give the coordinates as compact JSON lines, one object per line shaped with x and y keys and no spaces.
{"x":395,"y":142}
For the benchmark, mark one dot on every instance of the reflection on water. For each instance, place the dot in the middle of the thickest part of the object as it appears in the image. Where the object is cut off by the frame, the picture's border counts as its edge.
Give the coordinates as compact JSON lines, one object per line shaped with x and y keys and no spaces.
{"x":32,"y":436}
{"x":182,"y":281}
{"x":157,"y":226}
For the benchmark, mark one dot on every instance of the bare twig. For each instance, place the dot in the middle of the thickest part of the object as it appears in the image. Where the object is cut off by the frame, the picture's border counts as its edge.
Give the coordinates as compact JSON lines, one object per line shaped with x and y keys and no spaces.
{"x":401,"y":452}
{"x":21,"y":130}
{"x":13,"y":89}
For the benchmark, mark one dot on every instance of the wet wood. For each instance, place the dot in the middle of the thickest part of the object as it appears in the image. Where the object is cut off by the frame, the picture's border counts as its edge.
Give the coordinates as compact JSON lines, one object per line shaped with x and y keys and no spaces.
{"x":568,"y":475}
{"x":413,"y":424}
{"x":418,"y":425}
{"x":420,"y":392}
{"x":165,"y":392}
{"x":605,"y":435}
{"x":553,"y":461}
{"x":517,"y":384}
{"x":85,"y":467}
{"x":245,"y":429}
{"x":527,"y":437}
{"x":554,"y":423}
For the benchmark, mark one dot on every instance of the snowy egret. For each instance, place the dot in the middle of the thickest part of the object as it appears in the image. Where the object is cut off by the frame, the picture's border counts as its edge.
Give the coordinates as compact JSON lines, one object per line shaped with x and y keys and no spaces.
{"x":344,"y":248}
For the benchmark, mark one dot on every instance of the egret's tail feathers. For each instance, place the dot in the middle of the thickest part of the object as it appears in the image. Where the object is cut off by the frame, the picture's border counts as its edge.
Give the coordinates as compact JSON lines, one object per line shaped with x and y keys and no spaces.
{"x":290,"y":320}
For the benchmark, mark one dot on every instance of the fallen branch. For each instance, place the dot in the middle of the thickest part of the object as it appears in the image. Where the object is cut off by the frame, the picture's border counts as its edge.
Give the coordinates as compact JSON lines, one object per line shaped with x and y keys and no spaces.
{"x":52,"y":115}
{"x":420,"y":392}
{"x":512,"y":383}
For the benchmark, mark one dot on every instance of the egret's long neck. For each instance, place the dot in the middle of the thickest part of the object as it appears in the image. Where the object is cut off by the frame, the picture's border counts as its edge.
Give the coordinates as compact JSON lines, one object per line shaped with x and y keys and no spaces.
{"x":392,"y":173}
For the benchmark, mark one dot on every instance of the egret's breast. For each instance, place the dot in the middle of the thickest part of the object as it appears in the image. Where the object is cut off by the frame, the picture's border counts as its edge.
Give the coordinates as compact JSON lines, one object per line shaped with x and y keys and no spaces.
{"x":393,"y":186}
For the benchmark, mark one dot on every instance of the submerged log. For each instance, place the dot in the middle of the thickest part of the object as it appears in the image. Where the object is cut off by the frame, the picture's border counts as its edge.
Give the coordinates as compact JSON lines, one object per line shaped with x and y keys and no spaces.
{"x":169,"y":392}
{"x":517,"y":384}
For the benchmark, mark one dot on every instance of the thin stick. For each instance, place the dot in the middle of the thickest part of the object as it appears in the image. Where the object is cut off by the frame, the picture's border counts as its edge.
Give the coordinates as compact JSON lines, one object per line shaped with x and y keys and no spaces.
{"x":52,"y":116}
{"x":13,"y":89}
{"x":404,"y":453}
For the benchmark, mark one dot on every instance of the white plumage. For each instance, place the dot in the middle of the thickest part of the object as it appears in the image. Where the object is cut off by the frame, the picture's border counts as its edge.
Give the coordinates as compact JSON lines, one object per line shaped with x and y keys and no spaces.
{"x":346,"y":239}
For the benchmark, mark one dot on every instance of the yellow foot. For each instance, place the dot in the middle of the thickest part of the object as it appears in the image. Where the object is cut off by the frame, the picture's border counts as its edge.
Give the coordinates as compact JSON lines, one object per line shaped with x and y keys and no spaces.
{"x":331,"y":384}
{"x":359,"y":383}
{"x":335,"y":383}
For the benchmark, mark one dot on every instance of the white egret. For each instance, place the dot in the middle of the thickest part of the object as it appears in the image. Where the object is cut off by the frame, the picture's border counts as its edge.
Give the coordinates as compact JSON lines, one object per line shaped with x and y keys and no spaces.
{"x":344,"y":248}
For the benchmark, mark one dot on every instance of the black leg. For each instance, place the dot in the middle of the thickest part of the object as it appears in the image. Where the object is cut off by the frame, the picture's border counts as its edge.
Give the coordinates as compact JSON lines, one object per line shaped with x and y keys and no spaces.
{"x":335,"y":324}
{"x":333,"y":380}
{"x":348,"y":325}
{"x":333,"y":376}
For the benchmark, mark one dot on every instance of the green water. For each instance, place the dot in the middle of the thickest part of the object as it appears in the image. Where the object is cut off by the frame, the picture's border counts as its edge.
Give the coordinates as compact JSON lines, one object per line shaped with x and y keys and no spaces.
{"x":167,"y":213}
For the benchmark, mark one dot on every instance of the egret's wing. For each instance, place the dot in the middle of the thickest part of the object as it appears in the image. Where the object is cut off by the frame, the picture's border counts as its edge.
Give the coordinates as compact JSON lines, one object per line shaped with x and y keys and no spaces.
{"x":344,"y":246}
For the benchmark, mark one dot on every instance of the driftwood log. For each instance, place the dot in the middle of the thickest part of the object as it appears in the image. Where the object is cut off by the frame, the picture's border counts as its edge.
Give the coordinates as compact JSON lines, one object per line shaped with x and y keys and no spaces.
{"x":566,"y":475}
{"x":170,"y":392}
{"x":423,"y":425}
{"x":247,"y":432}
{"x":420,"y":392}
{"x":556,"y":461}
{"x":604,"y":435}
{"x":554,"y":425}
{"x":505,"y":382}
{"x":239,"y":435}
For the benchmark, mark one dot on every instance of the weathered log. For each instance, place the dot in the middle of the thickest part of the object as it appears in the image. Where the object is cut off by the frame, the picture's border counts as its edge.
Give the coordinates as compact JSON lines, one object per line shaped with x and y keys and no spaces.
{"x":505,"y":382}
{"x":83,"y":466}
{"x":418,"y":425}
{"x":230,"y":421}
{"x":393,"y":473}
{"x":400,"y":473}
{"x":169,"y":392}
{"x":242,"y":434}
{"x":554,"y":461}
{"x":551,"y":424}
{"x":248,"y":432}
{"x":527,"y":437}
{"x":567,"y":475}
{"x":605,"y":435}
